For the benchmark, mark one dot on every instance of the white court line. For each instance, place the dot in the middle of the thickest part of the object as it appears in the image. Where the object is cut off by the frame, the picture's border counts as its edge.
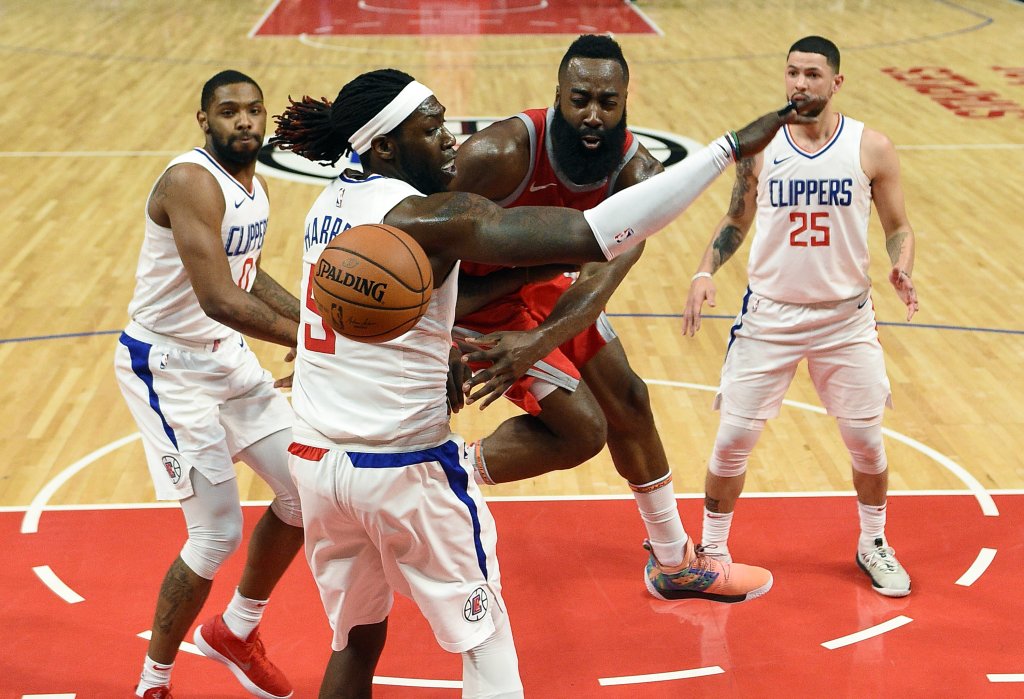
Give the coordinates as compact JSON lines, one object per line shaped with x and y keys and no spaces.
{"x":58,"y":586}
{"x":978,"y":568}
{"x":867,"y":633}
{"x":263,"y":19}
{"x":1019,"y":677}
{"x":185,"y":646}
{"x":988,"y":505}
{"x":30,"y":523}
{"x":645,"y":18}
{"x":416,"y":682}
{"x":985,"y":501}
{"x":661,"y":676}
{"x":48,"y":696}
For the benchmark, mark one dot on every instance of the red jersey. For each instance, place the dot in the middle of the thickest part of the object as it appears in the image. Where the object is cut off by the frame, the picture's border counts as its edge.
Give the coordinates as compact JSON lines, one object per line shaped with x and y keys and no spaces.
{"x":544,"y":185}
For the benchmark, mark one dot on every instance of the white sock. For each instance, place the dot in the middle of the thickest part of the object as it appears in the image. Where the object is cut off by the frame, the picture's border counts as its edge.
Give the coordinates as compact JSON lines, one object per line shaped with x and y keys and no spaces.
{"x":480,"y":474}
{"x":872,"y":525}
{"x":716,"y":532}
{"x":154,"y":674}
{"x":243,"y":615}
{"x":657,"y":504}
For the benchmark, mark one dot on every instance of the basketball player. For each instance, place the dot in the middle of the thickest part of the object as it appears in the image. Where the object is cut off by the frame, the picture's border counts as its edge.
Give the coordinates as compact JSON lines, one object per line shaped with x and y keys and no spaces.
{"x":575,"y":153}
{"x":197,"y":392}
{"x":387,"y":497}
{"x":809,"y":296}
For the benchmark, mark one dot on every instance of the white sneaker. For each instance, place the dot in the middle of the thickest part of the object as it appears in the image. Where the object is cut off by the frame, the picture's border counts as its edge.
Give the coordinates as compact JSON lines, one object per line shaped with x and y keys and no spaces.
{"x":887,"y":575}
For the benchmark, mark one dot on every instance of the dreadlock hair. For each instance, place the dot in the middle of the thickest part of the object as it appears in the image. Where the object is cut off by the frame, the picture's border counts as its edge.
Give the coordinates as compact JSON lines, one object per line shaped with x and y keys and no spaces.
{"x":595,"y":46}
{"x":321,"y":131}
{"x":225,"y":77}
{"x":819,"y":45}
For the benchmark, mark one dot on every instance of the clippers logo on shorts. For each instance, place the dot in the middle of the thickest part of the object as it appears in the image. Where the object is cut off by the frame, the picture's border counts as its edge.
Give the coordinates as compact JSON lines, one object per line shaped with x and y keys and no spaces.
{"x":173,"y":468}
{"x":667,"y":147}
{"x":476,"y":605}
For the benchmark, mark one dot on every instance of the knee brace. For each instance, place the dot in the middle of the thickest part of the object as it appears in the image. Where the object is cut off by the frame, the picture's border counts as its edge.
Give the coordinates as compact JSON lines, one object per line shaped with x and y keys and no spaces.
{"x":735,"y":440}
{"x":863,"y":439}
{"x":269,"y":458}
{"x":214,"y":519}
{"x":490,"y":670}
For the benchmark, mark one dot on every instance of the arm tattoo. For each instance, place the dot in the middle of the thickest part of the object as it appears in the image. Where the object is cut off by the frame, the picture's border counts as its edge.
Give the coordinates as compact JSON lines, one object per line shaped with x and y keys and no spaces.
{"x":160,"y":191}
{"x":727,"y":242}
{"x":894,"y":245}
{"x":266,"y":289}
{"x":744,"y":175}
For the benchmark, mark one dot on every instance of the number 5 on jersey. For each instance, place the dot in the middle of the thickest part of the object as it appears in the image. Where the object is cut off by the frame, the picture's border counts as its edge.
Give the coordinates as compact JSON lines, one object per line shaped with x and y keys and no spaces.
{"x":325,"y":344}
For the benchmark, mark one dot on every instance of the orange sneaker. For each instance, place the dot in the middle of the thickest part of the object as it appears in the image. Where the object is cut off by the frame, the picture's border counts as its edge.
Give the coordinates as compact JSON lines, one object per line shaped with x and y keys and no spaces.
{"x":157,"y":693}
{"x":700,"y":576}
{"x":246,"y":659}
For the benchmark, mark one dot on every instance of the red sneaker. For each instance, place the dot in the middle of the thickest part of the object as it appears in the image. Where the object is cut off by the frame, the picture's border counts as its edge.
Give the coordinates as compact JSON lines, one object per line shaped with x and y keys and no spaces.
{"x":157,"y":693}
{"x":246,"y":659}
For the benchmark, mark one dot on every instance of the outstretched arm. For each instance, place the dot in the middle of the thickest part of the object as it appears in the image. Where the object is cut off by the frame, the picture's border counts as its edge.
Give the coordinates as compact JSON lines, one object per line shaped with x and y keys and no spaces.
{"x":725,"y":241}
{"x":454,"y":225}
{"x":882,"y":165}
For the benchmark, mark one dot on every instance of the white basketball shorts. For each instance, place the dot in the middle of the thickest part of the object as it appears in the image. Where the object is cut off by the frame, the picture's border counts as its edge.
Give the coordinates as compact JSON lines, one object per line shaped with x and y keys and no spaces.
{"x":839,"y":341}
{"x":196,"y":405}
{"x":409,"y":522}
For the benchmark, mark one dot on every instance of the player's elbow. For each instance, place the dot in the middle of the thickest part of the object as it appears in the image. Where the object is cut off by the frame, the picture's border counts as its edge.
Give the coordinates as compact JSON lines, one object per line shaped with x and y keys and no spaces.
{"x":218,"y":307}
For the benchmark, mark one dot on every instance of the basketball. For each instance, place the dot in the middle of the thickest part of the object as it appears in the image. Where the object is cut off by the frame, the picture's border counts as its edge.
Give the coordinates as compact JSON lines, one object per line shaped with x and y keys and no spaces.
{"x":372,"y":283}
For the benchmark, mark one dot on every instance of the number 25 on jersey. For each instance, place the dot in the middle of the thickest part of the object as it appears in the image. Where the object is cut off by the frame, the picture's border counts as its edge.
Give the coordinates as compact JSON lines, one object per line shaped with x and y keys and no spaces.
{"x":809,"y":229}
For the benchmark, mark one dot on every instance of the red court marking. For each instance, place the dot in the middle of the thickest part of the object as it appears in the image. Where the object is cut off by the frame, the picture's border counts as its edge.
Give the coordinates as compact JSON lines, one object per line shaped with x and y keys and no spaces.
{"x":572,"y":576}
{"x":442,"y":17}
{"x":959,"y":94}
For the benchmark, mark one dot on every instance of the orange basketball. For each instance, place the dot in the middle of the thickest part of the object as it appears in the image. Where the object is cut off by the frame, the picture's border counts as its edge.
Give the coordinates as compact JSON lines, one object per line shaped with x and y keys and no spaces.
{"x":372,"y":283}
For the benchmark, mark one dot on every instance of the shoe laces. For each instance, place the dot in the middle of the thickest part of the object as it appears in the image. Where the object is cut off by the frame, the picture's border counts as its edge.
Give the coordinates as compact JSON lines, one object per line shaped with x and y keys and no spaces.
{"x":706,"y":562}
{"x":255,"y":647}
{"x":883,"y":557}
{"x":708,"y":550}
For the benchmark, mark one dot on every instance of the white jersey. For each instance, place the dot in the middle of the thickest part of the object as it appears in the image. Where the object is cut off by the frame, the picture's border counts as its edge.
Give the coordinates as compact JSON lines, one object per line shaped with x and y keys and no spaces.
{"x":388,"y":396}
{"x":164,"y":301}
{"x":810,"y":244}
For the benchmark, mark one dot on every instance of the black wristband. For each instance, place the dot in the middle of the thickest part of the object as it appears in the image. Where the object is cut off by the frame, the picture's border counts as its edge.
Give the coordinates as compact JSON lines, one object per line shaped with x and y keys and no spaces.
{"x":790,"y":106}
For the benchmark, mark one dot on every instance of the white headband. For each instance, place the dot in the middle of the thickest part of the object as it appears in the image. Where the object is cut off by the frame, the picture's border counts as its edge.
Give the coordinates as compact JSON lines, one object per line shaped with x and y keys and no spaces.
{"x":407,"y":101}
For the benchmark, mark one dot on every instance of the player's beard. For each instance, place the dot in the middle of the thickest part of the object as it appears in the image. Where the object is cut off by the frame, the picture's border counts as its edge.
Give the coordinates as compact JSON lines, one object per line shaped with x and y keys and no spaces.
{"x":223,"y":150}
{"x":579,"y":163}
